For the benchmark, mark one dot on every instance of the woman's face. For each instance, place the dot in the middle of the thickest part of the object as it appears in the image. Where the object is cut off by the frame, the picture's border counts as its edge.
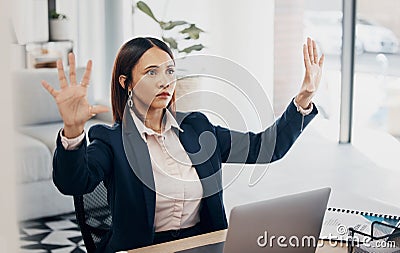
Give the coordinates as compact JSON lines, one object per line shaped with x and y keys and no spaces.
{"x":154,"y":79}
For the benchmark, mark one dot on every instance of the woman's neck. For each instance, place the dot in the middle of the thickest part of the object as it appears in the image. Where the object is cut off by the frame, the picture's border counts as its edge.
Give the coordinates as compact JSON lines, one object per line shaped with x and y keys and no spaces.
{"x":152,"y":118}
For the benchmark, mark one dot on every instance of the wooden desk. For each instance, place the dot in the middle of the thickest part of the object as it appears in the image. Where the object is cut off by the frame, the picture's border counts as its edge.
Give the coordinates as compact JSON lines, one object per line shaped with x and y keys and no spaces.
{"x":211,"y":238}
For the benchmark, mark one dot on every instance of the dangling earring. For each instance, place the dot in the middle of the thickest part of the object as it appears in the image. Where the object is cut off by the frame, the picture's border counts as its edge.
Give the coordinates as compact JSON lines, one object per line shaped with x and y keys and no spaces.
{"x":130,"y":101}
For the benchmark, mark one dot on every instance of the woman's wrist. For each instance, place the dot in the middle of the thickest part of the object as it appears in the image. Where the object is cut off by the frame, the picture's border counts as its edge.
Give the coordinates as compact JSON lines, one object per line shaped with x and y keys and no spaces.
{"x":303,"y":111}
{"x":72,"y":131}
{"x":304,"y":101}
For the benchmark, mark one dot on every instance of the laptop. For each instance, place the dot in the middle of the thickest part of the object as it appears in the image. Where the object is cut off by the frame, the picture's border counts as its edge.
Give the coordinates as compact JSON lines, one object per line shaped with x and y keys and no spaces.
{"x":289,"y":224}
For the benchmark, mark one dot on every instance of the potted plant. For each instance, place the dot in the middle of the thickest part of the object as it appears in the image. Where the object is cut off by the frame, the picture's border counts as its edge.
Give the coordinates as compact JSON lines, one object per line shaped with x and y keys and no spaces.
{"x":182,"y":31}
{"x":176,"y":34}
{"x":59,"y":26}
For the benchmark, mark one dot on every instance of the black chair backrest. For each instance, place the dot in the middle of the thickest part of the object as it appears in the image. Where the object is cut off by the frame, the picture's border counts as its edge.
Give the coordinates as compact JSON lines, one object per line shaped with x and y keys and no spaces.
{"x":94,"y":216}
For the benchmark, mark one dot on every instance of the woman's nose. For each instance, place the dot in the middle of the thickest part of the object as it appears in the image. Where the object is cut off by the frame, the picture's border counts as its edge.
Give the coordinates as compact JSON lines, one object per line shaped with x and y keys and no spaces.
{"x":164,"y":84}
{"x":165,"y":81}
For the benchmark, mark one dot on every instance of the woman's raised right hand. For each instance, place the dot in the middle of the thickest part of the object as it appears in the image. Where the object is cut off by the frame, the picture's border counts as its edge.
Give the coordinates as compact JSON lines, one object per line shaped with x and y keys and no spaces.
{"x":71,"y":99}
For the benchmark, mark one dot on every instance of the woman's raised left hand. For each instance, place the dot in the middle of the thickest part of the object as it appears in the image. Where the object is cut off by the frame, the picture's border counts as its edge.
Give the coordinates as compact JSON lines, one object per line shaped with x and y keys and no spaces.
{"x":313,"y":73}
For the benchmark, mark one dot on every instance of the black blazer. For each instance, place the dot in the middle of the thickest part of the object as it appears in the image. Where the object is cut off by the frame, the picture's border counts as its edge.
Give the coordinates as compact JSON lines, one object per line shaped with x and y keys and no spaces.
{"x":132,"y":201}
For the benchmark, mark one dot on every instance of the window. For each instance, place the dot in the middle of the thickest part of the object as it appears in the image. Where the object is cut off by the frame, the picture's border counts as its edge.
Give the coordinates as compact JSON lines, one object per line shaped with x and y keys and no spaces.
{"x":294,"y":22}
{"x":377,"y":68}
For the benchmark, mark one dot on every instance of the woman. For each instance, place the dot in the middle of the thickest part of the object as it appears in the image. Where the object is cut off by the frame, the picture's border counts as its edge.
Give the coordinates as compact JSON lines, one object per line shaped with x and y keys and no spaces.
{"x":131,"y":156}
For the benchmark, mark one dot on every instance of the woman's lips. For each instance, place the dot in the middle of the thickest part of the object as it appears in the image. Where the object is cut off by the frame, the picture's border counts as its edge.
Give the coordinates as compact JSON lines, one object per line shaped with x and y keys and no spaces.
{"x":163,"y":94}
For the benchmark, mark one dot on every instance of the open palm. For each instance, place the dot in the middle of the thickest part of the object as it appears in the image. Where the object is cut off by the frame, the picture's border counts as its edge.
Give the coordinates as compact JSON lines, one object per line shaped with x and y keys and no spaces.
{"x":313,"y":73}
{"x":71,"y":99}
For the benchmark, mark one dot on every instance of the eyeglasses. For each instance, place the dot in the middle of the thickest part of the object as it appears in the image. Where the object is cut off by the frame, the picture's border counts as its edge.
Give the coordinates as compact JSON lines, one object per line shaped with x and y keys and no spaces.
{"x":383,"y":238}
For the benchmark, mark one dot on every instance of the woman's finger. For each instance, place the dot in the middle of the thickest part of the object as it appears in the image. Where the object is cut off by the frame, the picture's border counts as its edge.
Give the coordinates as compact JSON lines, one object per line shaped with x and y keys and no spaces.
{"x":86,"y":75}
{"x":72,"y":69}
{"x":61,"y":74}
{"x":95,"y":109}
{"x":310,"y":50}
{"x":321,"y":60}
{"x":315,"y":51}
{"x":307,"y":62}
{"x":49,"y":88}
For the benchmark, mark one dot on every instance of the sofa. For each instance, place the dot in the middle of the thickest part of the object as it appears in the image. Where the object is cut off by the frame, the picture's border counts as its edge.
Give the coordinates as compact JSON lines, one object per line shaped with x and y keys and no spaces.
{"x":37,"y":123}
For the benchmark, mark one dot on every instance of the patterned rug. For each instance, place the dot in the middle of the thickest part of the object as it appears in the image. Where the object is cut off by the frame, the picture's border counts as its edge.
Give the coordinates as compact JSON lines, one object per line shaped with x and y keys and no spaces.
{"x":58,"y":234}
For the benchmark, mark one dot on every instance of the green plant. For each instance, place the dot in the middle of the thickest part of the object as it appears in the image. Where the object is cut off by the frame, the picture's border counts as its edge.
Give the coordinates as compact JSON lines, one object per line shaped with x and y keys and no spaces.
{"x":188,"y":30}
{"x":54,"y":15}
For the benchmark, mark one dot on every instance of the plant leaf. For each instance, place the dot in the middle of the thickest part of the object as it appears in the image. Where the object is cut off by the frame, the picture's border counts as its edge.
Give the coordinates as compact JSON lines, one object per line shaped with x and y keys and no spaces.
{"x":54,"y":15}
{"x":192,"y":31}
{"x":146,"y":9}
{"x":188,"y":50}
{"x":171,"y":42}
{"x":171,"y":24}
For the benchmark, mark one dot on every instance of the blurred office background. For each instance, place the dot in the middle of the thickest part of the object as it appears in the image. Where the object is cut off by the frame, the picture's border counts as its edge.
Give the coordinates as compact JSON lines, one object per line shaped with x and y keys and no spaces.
{"x":266,"y":39}
{"x":350,"y":145}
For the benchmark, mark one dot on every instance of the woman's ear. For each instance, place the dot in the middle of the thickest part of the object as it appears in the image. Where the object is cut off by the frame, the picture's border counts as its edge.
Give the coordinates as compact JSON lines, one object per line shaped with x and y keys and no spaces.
{"x":122,"y":80}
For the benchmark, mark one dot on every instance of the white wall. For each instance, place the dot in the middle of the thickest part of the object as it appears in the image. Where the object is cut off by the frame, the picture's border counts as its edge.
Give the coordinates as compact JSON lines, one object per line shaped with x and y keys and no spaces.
{"x":29,"y":20}
{"x":8,"y":220}
{"x":99,"y":28}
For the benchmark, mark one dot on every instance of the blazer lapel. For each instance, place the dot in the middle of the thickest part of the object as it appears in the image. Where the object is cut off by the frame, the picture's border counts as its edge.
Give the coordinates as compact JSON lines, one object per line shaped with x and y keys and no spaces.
{"x":138,"y":156}
{"x":200,"y":157}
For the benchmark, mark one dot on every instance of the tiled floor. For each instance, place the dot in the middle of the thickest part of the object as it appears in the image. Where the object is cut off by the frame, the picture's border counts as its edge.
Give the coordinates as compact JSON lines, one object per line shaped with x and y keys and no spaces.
{"x":58,"y":234}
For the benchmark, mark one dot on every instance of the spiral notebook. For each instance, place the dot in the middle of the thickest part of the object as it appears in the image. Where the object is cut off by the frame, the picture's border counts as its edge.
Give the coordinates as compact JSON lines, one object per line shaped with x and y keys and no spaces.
{"x":337,"y":222}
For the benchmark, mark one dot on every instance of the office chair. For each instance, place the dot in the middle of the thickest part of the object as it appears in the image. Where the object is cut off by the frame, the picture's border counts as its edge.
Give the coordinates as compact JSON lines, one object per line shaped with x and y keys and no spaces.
{"x":93,"y":215}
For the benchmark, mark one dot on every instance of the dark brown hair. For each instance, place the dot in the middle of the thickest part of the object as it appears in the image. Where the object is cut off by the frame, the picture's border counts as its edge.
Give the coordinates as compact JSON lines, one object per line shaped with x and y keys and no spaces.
{"x":127,"y":58}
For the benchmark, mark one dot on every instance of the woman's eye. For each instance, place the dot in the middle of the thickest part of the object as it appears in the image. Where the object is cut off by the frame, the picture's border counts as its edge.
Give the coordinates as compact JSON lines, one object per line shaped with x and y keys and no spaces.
{"x":151,"y":72}
{"x":171,"y":71}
